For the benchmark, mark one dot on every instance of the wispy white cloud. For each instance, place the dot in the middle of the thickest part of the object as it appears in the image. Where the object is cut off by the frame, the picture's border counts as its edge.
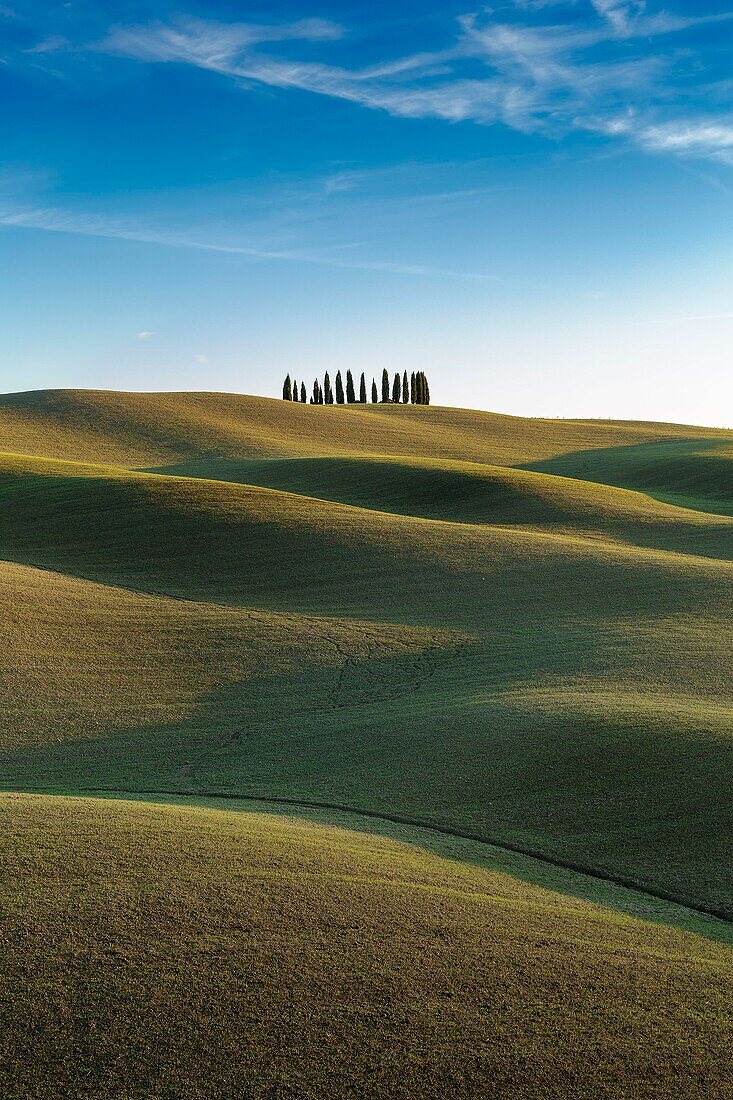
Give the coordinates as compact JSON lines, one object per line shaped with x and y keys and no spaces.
{"x":538,"y":5}
{"x":211,"y":45}
{"x":620,"y":13}
{"x":549,"y":68}
{"x":145,"y":334}
{"x":572,"y":74}
{"x":700,"y":136}
{"x":50,"y":44}
{"x":695,"y":136}
{"x":53,"y":220}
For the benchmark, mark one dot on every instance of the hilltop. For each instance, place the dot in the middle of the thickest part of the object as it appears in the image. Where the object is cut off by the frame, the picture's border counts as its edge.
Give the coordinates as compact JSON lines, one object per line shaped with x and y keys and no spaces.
{"x":145,"y":429}
{"x":513,"y":631}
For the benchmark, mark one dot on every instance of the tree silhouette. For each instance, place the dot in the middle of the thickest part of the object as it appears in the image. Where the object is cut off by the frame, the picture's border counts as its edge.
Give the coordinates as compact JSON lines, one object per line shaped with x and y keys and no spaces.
{"x":396,"y":389}
{"x":403,"y":390}
{"x":422,"y":389}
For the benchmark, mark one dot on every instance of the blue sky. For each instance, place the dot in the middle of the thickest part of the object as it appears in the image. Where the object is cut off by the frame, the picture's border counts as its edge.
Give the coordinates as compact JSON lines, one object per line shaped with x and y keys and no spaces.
{"x":532,"y":201}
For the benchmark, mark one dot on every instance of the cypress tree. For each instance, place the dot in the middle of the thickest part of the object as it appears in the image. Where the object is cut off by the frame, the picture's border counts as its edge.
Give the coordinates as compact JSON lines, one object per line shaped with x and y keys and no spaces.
{"x":287,"y":389}
{"x":303,"y":397}
{"x":295,"y":390}
{"x":418,"y":387}
{"x":362,"y":390}
{"x":375,"y":395}
{"x":339,"y":389}
{"x":350,"y":395}
{"x":385,"y":385}
{"x":314,"y":398}
{"x":405,"y":389}
{"x":327,"y":391}
{"x":396,"y":389}
{"x":412,"y":387}
{"x":320,"y":394}
{"x":426,"y":392}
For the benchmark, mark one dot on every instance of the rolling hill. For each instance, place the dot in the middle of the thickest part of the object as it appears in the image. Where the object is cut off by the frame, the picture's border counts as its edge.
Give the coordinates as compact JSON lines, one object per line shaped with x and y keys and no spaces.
{"x":167,"y":951}
{"x":512,"y":631}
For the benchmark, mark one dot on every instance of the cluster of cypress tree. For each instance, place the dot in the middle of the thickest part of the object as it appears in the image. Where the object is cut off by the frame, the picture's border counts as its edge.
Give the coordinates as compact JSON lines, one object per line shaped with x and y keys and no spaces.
{"x":402,"y":391}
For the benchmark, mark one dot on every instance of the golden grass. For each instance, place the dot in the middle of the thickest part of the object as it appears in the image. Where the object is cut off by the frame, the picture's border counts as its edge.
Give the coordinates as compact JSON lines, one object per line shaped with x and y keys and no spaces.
{"x":152,"y":429}
{"x":158,"y":952}
{"x":370,"y":608}
{"x":241,"y":543}
{"x":555,"y":668}
{"x":84,"y":660}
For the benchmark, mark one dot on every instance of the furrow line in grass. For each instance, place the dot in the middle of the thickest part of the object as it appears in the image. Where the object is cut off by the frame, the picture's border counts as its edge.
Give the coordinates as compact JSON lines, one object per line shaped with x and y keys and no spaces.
{"x":623,"y":881}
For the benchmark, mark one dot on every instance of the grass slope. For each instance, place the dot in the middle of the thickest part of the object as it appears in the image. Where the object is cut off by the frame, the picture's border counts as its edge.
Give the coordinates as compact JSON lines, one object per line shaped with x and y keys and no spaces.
{"x":530,"y":657}
{"x":694,"y":473}
{"x":154,"y":429}
{"x":160,"y":951}
{"x":85,"y":661}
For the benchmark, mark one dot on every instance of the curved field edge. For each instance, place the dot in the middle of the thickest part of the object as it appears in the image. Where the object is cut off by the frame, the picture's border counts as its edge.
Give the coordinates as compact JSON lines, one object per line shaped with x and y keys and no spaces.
{"x":243,"y":953}
{"x":533,"y":868}
{"x":232,"y":543}
{"x":511,"y":736}
{"x":146,"y":429}
{"x":463,"y":491}
{"x":591,"y":718}
{"x":692,"y":473}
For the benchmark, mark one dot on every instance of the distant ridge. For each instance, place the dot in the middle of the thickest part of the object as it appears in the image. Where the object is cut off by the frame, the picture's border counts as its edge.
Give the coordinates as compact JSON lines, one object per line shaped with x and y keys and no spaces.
{"x":147,"y":429}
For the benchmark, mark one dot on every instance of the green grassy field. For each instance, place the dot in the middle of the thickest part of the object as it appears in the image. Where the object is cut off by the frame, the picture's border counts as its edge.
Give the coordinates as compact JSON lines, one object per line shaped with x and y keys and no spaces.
{"x":161,"y":951}
{"x":516,"y":630}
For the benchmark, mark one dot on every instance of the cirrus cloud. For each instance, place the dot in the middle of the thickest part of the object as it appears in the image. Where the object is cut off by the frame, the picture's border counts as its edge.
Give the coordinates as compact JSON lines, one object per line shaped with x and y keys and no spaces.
{"x":523,"y":71}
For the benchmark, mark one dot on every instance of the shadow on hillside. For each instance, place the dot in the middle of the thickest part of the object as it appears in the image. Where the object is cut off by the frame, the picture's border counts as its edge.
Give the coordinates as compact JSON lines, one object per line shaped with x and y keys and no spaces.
{"x":684,"y":472}
{"x":247,"y":546}
{"x":319,"y":559}
{"x":447,"y":740}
